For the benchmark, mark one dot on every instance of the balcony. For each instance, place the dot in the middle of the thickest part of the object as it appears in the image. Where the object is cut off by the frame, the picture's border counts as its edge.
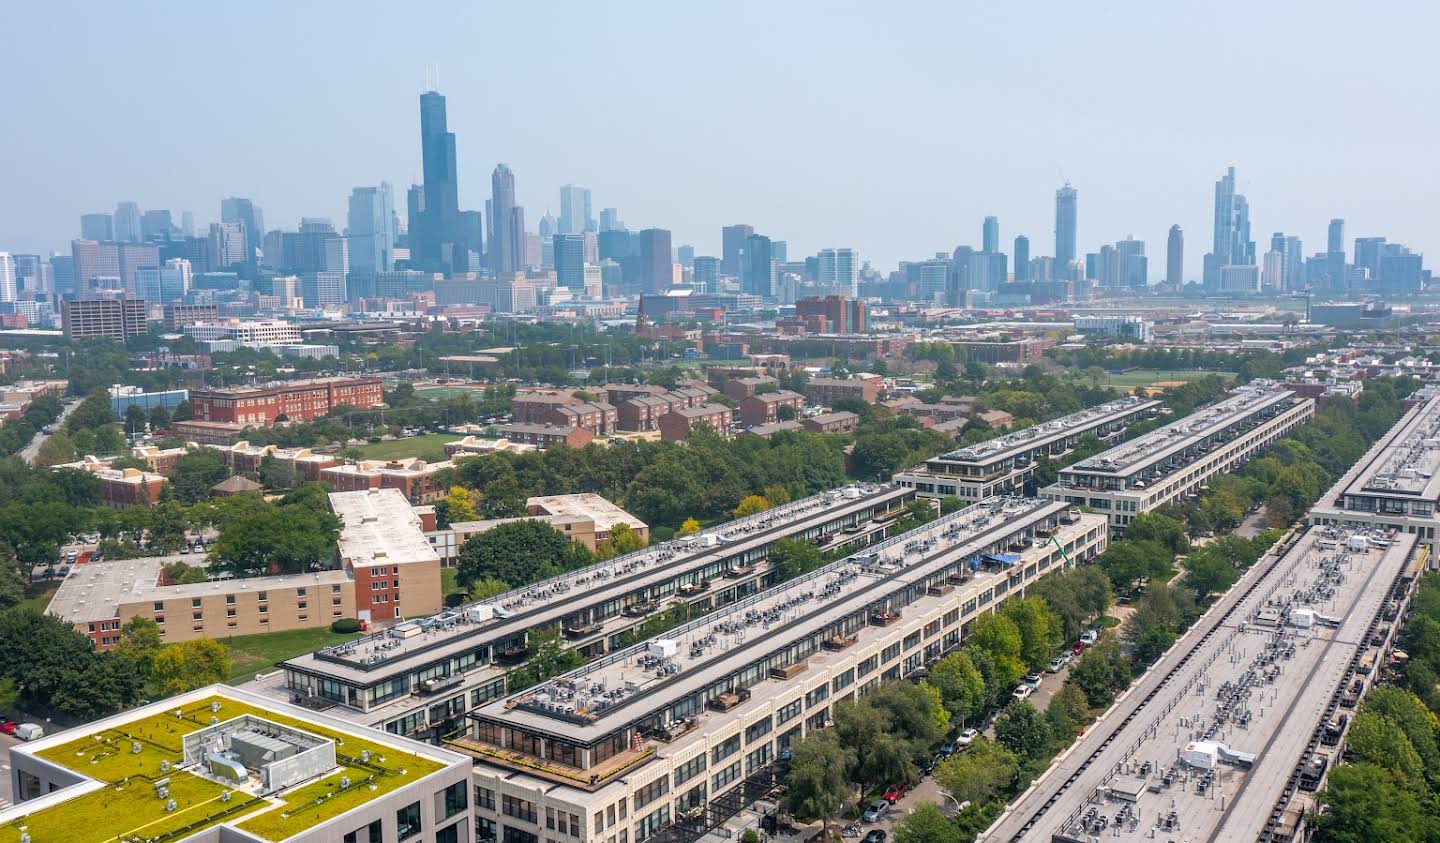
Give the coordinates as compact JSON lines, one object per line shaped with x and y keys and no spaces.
{"x":836,"y":643}
{"x":883,"y":617}
{"x":591,"y":779}
{"x":580,"y":629}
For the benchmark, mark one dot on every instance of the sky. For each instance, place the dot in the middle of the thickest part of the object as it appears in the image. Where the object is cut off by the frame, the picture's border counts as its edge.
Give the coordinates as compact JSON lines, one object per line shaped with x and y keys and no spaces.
{"x":892,"y":128}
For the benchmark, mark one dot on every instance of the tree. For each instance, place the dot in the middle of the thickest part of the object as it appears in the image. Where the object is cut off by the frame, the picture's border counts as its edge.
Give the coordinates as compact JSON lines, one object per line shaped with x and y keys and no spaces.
{"x":1020,"y":729}
{"x":159,"y":416}
{"x":690,"y":527}
{"x":459,"y":505}
{"x":790,"y":558}
{"x":518,"y":553}
{"x":818,"y":788}
{"x":167,"y":527}
{"x":1164,"y":530}
{"x":183,"y":412}
{"x":548,"y":656}
{"x":139,"y":643}
{"x":1100,"y":672}
{"x":949,"y":504}
{"x":624,"y":539}
{"x":927,"y":824}
{"x":1365,"y":805}
{"x":1207,"y":572}
{"x":195,"y":473}
{"x":1072,"y":701}
{"x":785,"y":412}
{"x":749,"y":505}
{"x":188,"y":665}
{"x":998,"y":639}
{"x":961,"y":686}
{"x":980,"y":774}
{"x":94,"y":412}
{"x":1408,"y":712}
{"x":1041,"y":633}
{"x":135,"y":420}
{"x":277,"y":475}
{"x":263,"y":538}
{"x":1127,"y":562}
{"x":55,"y":450}
{"x":1377,"y":740}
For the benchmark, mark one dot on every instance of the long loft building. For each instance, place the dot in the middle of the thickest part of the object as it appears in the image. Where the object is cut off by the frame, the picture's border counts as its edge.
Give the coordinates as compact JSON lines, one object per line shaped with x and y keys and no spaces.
{"x":675,"y":729}
{"x":1006,"y":464}
{"x":421,"y":677}
{"x":1396,"y":484}
{"x":1166,"y":464}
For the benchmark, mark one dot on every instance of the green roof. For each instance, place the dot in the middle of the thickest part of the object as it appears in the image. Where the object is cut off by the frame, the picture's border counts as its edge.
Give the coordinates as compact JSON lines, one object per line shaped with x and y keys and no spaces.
{"x":127,"y":807}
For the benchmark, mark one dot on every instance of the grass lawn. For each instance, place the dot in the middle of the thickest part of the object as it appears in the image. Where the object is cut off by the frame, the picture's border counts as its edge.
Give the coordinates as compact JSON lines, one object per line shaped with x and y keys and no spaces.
{"x":430,"y":446}
{"x":445,"y":393}
{"x":252,"y":654}
{"x":37,"y":596}
{"x":1154,"y":377}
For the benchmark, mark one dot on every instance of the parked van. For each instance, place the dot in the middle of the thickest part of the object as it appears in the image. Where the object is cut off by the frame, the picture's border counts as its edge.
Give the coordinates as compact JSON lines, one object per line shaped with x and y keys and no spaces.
{"x":29,"y":731}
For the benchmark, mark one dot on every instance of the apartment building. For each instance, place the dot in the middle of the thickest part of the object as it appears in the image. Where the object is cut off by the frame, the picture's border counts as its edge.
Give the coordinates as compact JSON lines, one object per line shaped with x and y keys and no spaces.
{"x":424,"y":682}
{"x":222,"y":764}
{"x":586,"y":518}
{"x":475,"y":446}
{"x":596,"y":416}
{"x":117,"y":318}
{"x":413,"y":478}
{"x":826,"y":391}
{"x":179,"y":316}
{"x":295,"y":400}
{"x":843,"y":421}
{"x":642,"y":412}
{"x":1397,"y":483}
{"x":741,"y":388}
{"x":120,"y":488}
{"x":244,"y":458}
{"x":544,"y":436}
{"x":668,"y":731}
{"x":675,"y":425}
{"x":765,"y":408}
{"x":1171,"y":462}
{"x":1006,"y":464}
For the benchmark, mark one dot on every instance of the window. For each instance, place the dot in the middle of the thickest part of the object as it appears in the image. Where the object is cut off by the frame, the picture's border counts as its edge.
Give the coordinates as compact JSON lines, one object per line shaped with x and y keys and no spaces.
{"x":299,"y":592}
{"x":449,"y":834}
{"x":868,"y":665}
{"x":407,"y":821}
{"x":652,"y":791}
{"x":195,"y":602}
{"x":724,"y":777}
{"x":689,"y":770}
{"x":159,"y":606}
{"x":455,"y":799}
{"x":844,"y":680}
{"x":517,"y":808}
{"x":728,"y":747}
{"x":890,"y":653}
{"x":230,"y":600}
{"x":755,"y":730}
{"x":372,"y":834}
{"x":816,"y":695}
{"x":789,"y":711}
{"x":484,"y":798}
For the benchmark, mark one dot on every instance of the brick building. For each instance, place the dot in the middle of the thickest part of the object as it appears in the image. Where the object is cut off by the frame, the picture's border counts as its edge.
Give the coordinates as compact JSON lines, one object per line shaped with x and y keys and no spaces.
{"x":643,"y":412}
{"x":841,"y":422}
{"x":414,"y":478}
{"x":827,"y":391}
{"x":742,"y":388}
{"x":675,"y":425}
{"x":296,"y":400}
{"x":833,"y":314}
{"x":765,"y":409}
{"x":595,"y":416}
{"x":546,"y":435}
{"x":244,"y":458}
{"x":120,"y":487}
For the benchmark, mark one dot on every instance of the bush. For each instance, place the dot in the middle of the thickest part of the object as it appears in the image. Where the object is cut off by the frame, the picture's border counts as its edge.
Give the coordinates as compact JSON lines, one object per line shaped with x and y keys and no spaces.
{"x":456,"y":598}
{"x":345,"y":625}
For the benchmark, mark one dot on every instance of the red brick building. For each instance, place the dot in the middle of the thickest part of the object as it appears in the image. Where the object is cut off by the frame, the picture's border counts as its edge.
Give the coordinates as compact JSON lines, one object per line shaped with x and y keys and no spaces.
{"x":829,"y":390}
{"x":840,"y":315}
{"x":742,"y":388}
{"x":675,"y":425}
{"x":643,"y":412}
{"x":593,"y":416}
{"x":546,"y":436}
{"x":841,"y":422}
{"x":765,"y":409}
{"x":297,"y":400}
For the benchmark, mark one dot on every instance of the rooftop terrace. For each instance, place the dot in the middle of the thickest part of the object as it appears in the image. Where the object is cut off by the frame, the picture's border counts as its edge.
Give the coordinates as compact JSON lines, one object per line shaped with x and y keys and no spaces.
{"x":1409,"y":464}
{"x":138,"y":785}
{"x":1046,"y":432}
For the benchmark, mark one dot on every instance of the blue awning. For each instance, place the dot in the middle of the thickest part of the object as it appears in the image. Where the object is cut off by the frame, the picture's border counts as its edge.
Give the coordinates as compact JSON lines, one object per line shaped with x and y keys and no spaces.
{"x":1003,"y":558}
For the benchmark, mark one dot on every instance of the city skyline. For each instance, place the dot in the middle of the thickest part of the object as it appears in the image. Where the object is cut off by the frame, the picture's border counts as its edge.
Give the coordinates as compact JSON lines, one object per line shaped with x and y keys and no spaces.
{"x":909,"y":202}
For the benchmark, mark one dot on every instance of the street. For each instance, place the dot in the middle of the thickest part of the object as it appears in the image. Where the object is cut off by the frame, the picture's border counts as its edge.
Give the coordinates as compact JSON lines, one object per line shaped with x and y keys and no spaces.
{"x":6,"y":741}
{"x":29,"y":452}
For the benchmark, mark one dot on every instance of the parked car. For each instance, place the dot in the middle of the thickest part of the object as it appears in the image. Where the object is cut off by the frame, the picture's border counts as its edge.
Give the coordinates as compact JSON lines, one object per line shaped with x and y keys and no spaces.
{"x":876,"y":835}
{"x":895,"y":792}
{"x":7,"y":726}
{"x":1057,"y":664}
{"x":966,"y":738}
{"x":29,"y":731}
{"x":1033,"y":680}
{"x":1089,"y":637}
{"x":877,"y":809}
{"x":1022,"y":691}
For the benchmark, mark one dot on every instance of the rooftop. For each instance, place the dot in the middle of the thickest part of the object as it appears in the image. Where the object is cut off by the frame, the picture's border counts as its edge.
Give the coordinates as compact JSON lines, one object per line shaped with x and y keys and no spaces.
{"x":142,"y":774}
{"x":1045,"y":432}
{"x":1409,"y":462}
{"x":1245,"y":401}
{"x":380,"y":527}
{"x":586,"y":505}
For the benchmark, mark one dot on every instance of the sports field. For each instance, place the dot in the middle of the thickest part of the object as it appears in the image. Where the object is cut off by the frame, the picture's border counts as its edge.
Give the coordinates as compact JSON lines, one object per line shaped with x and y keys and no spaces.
{"x":430,"y":446}
{"x":445,"y":393}
{"x":1158,"y":378}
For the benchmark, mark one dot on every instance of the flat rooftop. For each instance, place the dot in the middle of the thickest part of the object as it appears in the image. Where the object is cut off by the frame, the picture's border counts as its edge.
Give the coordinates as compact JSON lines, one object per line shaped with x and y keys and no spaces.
{"x":95,"y":591}
{"x":1045,"y":433}
{"x":1241,"y":692}
{"x":513,"y":613}
{"x":690,"y":658}
{"x":1408,"y":466}
{"x":587,"y":505}
{"x":1186,"y":433}
{"x":120,"y":760}
{"x":380,"y":527}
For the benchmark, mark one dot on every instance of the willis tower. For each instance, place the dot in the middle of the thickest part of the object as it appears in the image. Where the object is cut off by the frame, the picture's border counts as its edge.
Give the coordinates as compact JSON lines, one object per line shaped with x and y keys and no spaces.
{"x":439,"y":240}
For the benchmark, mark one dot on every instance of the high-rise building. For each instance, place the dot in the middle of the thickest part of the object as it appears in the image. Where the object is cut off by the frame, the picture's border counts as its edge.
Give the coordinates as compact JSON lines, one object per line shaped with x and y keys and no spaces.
{"x":127,"y":223}
{"x":9,"y":285}
{"x":757,"y":272}
{"x":97,"y":227}
{"x":706,"y":273}
{"x":62,"y":273}
{"x":656,"y":268}
{"x":1335,"y":242}
{"x":372,"y":238}
{"x":1232,"y":245}
{"x":247,"y":215}
{"x":163,"y":284}
{"x":839,"y":269}
{"x":32,"y":275}
{"x":569,"y":251}
{"x":435,"y":237}
{"x":575,"y":210}
{"x":1175,"y":259}
{"x":1066,"y":222}
{"x":685,"y":255}
{"x":610,"y":220}
{"x":990,"y":235}
{"x":1133,"y":265}
{"x":1368,"y":251}
{"x":156,"y":225}
{"x":472,"y":231}
{"x":187,"y":224}
{"x":228,"y":243}
{"x":506,"y":249}
{"x":732,"y":246}
{"x":118,"y":318}
{"x":1022,"y":258}
{"x":1335,"y":256}
{"x":323,"y":289}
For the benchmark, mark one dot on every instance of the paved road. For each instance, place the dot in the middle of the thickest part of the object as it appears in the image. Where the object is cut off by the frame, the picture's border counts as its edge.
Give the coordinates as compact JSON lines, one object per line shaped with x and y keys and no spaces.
{"x":6,"y":797}
{"x":29,"y":452}
{"x":1253,"y":524}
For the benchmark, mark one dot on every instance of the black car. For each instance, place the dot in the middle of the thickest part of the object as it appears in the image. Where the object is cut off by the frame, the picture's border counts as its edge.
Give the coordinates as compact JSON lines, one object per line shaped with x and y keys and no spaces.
{"x":876,"y":835}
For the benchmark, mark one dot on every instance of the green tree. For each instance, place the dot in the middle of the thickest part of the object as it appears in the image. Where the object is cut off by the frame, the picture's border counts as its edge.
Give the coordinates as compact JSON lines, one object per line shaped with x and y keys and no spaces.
{"x":1127,"y":562}
{"x":790,"y":558}
{"x":1100,"y":672}
{"x":624,"y":539}
{"x":1364,"y":804}
{"x":817,"y":787}
{"x":1165,"y":530}
{"x":1208,"y":572}
{"x":187,"y":665}
{"x":277,"y":475}
{"x":997,"y":637}
{"x":949,"y":504}
{"x":139,"y":642}
{"x":518,"y":553}
{"x":1040,"y":628}
{"x":980,"y":774}
{"x":92,"y":413}
{"x":928,"y":824}
{"x":961,"y":686}
{"x":195,"y":473}
{"x":159,"y":417}
{"x":1373,"y":739}
{"x":135,"y":420}
{"x":264,"y":538}
{"x":55,"y":450}
{"x":459,"y":506}
{"x":547,"y":656}
{"x":1020,"y":729}
{"x":167,"y":527}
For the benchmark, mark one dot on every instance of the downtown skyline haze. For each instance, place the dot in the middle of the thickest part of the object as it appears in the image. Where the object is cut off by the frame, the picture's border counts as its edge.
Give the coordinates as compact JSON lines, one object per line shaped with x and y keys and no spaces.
{"x":895,"y":132}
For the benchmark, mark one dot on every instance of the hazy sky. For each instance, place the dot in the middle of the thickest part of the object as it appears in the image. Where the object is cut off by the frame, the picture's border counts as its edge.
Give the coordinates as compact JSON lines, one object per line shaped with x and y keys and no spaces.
{"x":893,"y":128}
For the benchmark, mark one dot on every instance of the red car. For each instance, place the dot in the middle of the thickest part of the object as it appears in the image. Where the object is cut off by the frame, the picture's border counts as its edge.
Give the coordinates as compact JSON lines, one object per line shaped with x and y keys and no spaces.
{"x":7,"y":727}
{"x":895,"y":792}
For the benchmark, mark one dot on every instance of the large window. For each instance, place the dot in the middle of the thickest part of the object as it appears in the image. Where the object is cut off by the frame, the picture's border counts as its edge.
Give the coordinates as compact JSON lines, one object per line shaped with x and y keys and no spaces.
{"x":407,"y":821}
{"x":729,"y":747}
{"x":371,"y":833}
{"x":448,"y":834}
{"x":517,"y":808}
{"x":455,"y":796}
{"x":690,"y":769}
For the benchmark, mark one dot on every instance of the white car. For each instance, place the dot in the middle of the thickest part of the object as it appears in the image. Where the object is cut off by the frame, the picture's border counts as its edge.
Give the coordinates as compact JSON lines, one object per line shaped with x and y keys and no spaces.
{"x":1089,"y":638}
{"x":1022,"y":691}
{"x":967,"y":737}
{"x":1057,"y":664}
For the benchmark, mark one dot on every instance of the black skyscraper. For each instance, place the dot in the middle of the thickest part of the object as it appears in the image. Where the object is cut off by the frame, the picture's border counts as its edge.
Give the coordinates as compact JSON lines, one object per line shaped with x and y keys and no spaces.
{"x":437,"y":238}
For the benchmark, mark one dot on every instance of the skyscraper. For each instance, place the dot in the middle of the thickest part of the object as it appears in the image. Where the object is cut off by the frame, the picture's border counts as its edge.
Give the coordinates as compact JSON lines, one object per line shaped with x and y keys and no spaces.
{"x":1066,"y":221}
{"x":839,"y":269}
{"x":127,"y":223}
{"x":732,"y":245}
{"x":575,"y":210}
{"x":1232,"y":245}
{"x":610,"y":220}
{"x":371,"y":229}
{"x":1175,"y":258}
{"x":1336,"y":240}
{"x":505,"y":249}
{"x":1133,"y":265}
{"x":156,"y":225}
{"x":757,"y":274}
{"x":9,"y":287}
{"x":569,"y":251}
{"x":244,"y":213}
{"x":435,"y":237}
{"x":98,"y":227}
{"x":685,"y":255}
{"x":227,"y":241}
{"x":656,"y":268}
{"x":1022,"y":258}
{"x":990,"y":235}
{"x":1335,"y":255}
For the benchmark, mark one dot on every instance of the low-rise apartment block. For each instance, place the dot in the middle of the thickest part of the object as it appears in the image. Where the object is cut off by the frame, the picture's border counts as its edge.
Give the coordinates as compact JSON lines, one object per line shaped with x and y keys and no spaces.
{"x":765,"y":408}
{"x":413,"y":478}
{"x":586,"y":518}
{"x":642,"y":412}
{"x":742,"y":388}
{"x":544,"y":436}
{"x":826,"y":391}
{"x":121,"y":487}
{"x":1006,"y":464}
{"x":843,"y":421}
{"x":675,"y":425}
{"x":295,"y":400}
{"x":244,"y":458}
{"x":1171,"y":462}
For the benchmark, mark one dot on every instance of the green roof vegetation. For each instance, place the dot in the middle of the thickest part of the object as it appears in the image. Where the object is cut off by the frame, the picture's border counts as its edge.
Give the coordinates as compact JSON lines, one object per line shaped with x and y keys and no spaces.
{"x":127,"y":807}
